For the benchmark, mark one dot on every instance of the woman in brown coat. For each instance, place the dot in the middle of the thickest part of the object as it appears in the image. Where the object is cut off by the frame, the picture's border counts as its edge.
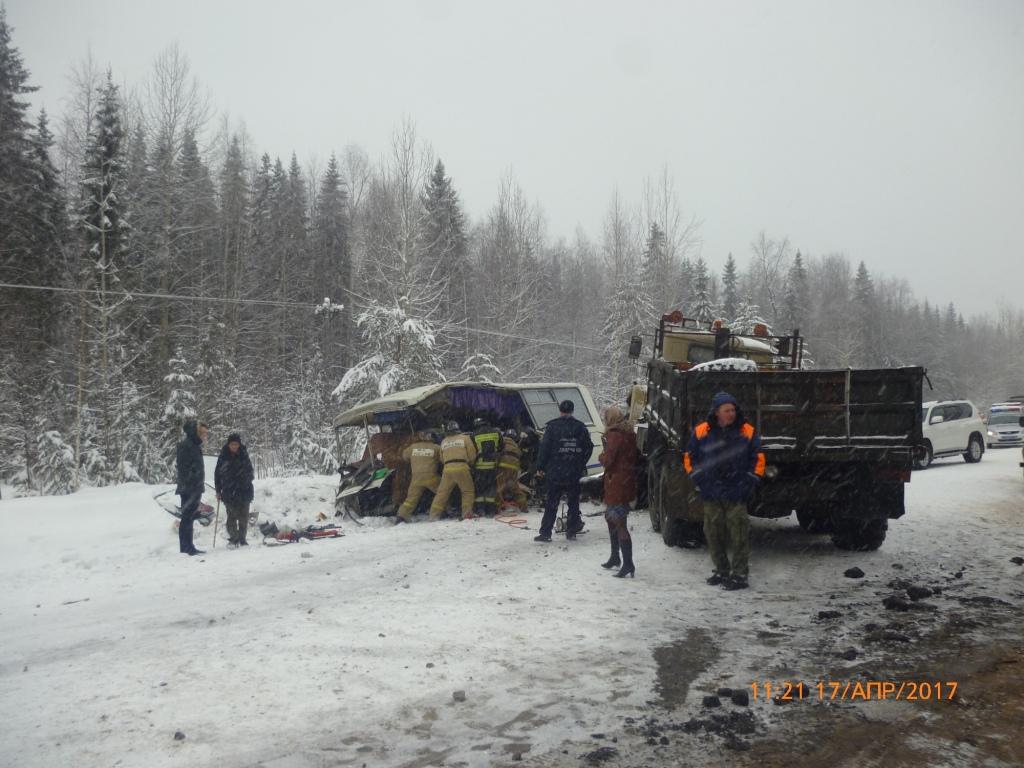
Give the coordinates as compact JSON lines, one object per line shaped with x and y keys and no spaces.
{"x":619,"y":461}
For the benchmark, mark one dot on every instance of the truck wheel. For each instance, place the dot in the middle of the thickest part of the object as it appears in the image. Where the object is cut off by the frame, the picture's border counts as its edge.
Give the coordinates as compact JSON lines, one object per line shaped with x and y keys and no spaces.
{"x":924,"y":457}
{"x":670,"y":527}
{"x":975,"y":448}
{"x":858,"y":534}
{"x":691,"y":535}
{"x":654,"y":500}
{"x":812,"y":523}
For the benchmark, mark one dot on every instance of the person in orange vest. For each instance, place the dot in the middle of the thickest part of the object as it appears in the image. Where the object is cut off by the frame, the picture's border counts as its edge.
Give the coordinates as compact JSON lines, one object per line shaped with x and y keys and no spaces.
{"x":725,"y":462}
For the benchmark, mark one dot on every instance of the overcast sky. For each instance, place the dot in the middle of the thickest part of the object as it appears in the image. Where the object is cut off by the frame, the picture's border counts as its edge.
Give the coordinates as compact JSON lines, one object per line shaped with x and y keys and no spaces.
{"x":890,"y":131}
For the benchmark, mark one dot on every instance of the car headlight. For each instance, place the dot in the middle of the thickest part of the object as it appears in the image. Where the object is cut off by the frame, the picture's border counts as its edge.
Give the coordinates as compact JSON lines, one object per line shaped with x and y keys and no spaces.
{"x":771,"y":472}
{"x":991,"y":433}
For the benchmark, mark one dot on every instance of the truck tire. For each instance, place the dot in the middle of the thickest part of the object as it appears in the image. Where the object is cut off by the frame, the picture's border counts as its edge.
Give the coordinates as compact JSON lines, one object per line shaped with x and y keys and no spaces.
{"x":642,"y":490}
{"x":858,"y":534}
{"x":691,"y":535}
{"x":670,"y":529}
{"x":924,"y":456}
{"x":654,"y":498}
{"x":676,"y":531}
{"x":975,"y":449}
{"x":813,"y":523}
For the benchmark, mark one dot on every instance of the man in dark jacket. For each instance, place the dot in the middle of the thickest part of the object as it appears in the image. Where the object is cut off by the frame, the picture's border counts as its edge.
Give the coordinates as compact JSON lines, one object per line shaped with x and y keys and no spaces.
{"x":233,"y":481}
{"x":725,"y":462}
{"x":191,"y":477}
{"x":562,"y":460}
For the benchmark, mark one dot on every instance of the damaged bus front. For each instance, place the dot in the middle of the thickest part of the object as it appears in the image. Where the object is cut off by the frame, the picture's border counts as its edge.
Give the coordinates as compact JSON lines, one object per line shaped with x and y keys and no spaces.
{"x":376,"y":483}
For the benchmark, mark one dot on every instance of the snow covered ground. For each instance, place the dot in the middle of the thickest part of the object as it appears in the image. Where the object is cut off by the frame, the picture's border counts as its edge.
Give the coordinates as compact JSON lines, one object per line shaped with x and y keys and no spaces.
{"x":349,"y":651}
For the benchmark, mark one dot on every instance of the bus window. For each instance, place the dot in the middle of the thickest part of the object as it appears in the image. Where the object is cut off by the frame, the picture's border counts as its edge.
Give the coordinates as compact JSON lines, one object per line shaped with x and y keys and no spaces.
{"x":581,"y":412}
{"x":543,"y":404}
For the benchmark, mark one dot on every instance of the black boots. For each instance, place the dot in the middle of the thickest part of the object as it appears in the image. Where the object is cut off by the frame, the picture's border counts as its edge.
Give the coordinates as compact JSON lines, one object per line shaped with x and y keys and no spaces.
{"x":613,"y":561}
{"x":735,"y":582}
{"x":627,"y":569}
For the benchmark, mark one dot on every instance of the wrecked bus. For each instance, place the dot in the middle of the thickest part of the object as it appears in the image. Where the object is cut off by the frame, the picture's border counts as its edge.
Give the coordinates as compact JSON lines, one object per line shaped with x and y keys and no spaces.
{"x":376,"y":484}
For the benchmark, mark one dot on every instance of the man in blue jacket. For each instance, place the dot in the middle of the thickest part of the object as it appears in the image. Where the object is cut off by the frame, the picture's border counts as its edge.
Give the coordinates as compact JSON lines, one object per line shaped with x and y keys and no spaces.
{"x":562,"y":460}
{"x":725,"y":463}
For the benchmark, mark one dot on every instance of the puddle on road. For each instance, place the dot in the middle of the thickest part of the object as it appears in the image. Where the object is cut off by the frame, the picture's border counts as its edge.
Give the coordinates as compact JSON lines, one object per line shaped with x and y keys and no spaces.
{"x":679,"y":664}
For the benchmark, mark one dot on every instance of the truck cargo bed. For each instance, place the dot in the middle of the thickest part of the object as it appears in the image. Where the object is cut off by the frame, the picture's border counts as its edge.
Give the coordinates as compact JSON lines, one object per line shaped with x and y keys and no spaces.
{"x":801,"y":415}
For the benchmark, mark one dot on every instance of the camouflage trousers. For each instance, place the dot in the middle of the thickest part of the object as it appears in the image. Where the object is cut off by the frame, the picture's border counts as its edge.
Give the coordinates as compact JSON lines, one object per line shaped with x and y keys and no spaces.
{"x":238,"y":520}
{"x":727,"y":528}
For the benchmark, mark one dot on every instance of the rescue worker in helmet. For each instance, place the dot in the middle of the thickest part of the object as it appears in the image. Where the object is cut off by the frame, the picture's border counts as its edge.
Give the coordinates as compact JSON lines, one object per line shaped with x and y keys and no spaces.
{"x":487,"y":441}
{"x":457,"y":454}
{"x":423,"y":458}
{"x":509,"y":469}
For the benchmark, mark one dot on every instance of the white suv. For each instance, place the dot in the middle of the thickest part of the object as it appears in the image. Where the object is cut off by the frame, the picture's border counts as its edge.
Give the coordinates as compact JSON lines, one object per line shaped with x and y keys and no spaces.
{"x":949,"y":428}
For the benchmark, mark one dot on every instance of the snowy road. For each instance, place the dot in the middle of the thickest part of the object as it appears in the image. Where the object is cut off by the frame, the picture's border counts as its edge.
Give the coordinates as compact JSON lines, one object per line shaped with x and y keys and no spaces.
{"x":349,"y":651}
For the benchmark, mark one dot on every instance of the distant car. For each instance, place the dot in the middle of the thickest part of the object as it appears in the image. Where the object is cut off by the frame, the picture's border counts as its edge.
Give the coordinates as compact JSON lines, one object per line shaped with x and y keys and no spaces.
{"x":1004,"y":428}
{"x":949,"y":428}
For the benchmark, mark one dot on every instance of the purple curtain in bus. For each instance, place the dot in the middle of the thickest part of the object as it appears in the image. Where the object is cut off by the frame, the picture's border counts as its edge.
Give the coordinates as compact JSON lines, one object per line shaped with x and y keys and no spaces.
{"x":505,"y":405}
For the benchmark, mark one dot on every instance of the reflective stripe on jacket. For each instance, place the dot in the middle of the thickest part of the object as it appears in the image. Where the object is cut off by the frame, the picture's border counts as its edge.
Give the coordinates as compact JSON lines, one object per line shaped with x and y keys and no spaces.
{"x":725,"y":464}
{"x":511,"y":455}
{"x":487,"y":443}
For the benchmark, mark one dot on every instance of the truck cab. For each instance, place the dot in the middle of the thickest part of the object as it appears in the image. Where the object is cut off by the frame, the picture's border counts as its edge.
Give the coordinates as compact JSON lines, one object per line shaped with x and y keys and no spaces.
{"x":686,"y":343}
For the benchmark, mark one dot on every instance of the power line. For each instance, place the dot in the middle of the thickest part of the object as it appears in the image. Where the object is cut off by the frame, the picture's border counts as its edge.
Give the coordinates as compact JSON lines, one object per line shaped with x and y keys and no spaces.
{"x":550,"y":342}
{"x":293,"y":304}
{"x":174,"y":296}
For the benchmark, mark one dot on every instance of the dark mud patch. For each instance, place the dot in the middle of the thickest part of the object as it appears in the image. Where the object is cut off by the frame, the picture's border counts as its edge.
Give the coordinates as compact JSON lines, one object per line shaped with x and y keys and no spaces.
{"x":680,"y":663}
{"x":600,"y":756}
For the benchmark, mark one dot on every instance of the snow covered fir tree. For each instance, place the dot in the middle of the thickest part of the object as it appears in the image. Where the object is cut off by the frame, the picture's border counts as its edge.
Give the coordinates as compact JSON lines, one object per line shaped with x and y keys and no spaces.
{"x":157,"y":264}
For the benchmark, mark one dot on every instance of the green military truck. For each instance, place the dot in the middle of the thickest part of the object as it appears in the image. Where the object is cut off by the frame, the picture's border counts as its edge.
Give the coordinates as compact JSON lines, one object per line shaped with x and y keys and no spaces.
{"x":839,"y":444}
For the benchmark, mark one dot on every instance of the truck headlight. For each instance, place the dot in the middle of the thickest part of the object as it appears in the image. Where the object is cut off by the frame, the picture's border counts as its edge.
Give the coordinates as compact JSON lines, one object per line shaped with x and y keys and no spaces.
{"x":771,"y":472}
